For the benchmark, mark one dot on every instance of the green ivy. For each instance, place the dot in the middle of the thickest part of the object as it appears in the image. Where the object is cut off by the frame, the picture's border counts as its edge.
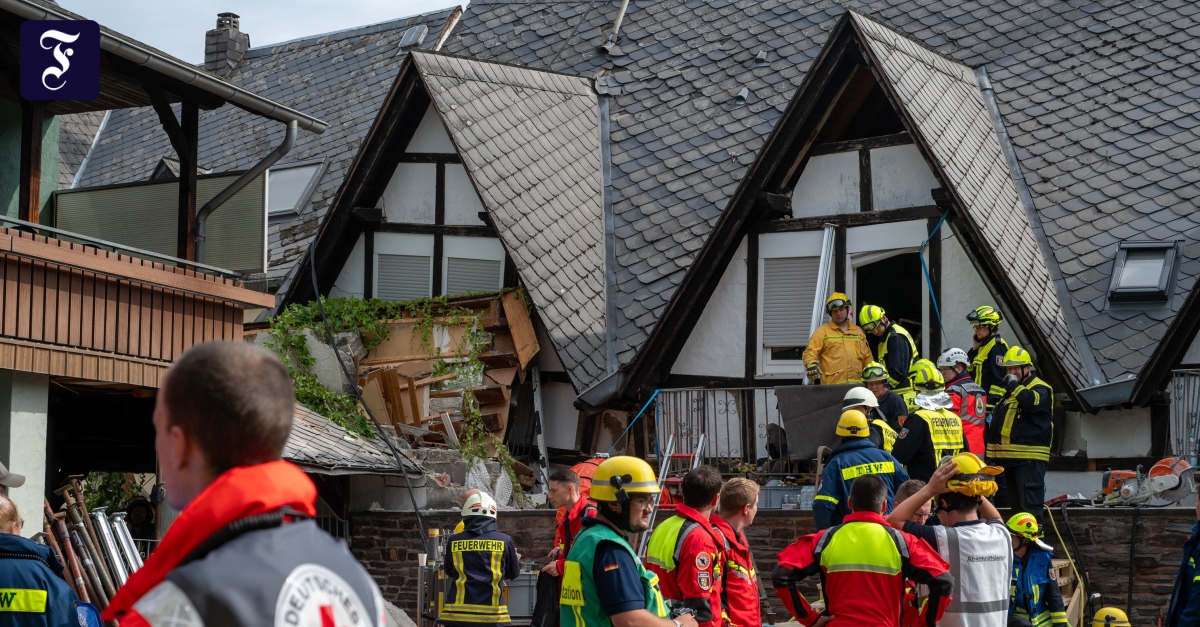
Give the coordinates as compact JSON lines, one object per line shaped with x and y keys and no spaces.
{"x":109,"y":489}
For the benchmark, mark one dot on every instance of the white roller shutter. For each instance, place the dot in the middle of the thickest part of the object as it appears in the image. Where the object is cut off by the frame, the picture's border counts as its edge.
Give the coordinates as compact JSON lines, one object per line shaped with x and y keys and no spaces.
{"x":402,"y":277}
{"x":472,"y":275}
{"x":789,"y":286}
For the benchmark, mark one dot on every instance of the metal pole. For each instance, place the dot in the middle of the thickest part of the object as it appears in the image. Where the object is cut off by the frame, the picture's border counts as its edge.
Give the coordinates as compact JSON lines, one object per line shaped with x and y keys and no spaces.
{"x":109,"y":545}
{"x":125,"y":540}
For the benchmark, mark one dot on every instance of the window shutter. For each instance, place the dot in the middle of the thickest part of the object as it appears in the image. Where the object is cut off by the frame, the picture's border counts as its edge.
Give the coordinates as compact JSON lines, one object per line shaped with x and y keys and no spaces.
{"x":402,"y":277}
{"x":471,"y":275}
{"x":789,"y":285}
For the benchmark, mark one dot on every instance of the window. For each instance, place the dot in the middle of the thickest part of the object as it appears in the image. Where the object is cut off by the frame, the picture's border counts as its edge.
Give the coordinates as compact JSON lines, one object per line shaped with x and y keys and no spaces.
{"x":289,"y":187}
{"x":403,"y":266}
{"x":787,"y":284}
{"x":472,"y":264}
{"x":1142,"y":272}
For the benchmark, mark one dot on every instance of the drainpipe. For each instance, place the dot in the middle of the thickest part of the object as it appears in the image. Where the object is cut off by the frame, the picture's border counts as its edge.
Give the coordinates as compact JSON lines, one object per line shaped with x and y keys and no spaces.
{"x":289,"y":140}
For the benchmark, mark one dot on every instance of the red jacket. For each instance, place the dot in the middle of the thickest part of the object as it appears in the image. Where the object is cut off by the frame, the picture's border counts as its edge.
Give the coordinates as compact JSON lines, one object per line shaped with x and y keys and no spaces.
{"x":698,"y":552}
{"x":567,"y":528}
{"x":862,"y":571}
{"x":740,"y":580}
{"x":969,"y":402}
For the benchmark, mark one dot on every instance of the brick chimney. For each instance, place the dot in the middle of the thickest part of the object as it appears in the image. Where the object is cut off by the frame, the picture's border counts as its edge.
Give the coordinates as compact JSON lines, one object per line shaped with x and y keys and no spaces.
{"x":225,"y":45}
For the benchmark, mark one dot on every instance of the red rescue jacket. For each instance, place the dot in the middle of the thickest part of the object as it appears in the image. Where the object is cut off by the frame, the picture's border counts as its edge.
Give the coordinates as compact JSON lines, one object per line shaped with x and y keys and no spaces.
{"x":969,"y":402}
{"x":569,"y":523}
{"x":739,"y":582}
{"x":695,"y":581}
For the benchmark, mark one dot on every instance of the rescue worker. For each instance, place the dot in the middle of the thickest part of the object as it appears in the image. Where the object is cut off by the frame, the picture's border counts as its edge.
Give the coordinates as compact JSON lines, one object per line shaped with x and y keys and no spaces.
{"x":739,"y":504}
{"x":896,"y":350}
{"x":973,"y":539}
{"x":932,"y":432}
{"x":1185,"y":598}
{"x":478,"y":560}
{"x":31,"y":577}
{"x":1020,"y":433}
{"x":915,"y":594}
{"x":967,"y":399}
{"x":891,"y":406}
{"x":837,"y":350}
{"x":467,"y":494}
{"x":244,"y":545}
{"x":1035,"y":597}
{"x":1114,"y":617}
{"x":882,"y":435}
{"x":603,"y":581}
{"x":687,"y":553}
{"x":987,"y":351}
{"x":564,"y":494}
{"x":855,"y":457}
{"x":863,"y":563}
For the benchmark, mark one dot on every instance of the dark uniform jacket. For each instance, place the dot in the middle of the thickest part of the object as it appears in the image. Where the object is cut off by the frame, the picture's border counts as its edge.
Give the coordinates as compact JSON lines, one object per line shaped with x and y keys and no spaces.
{"x":986,"y":368}
{"x":1185,"y":600}
{"x":1022,"y":424}
{"x":32,"y":590}
{"x":848,"y":462}
{"x":478,"y":560}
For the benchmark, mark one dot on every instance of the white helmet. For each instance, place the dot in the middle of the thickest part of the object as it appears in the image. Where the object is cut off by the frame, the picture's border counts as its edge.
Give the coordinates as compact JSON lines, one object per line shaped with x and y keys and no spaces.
{"x":953,"y":356}
{"x":479,"y":504}
{"x":859,"y":396}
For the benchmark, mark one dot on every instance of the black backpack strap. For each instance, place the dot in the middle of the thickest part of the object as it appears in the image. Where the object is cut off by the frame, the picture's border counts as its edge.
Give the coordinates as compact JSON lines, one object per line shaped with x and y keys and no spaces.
{"x":270,"y":520}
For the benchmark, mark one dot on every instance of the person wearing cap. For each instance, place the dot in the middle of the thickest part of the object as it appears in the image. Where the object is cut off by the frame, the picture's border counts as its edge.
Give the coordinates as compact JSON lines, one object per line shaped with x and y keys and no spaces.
{"x":1185,"y":598}
{"x":837,"y":350}
{"x":1019,"y":436}
{"x":1036,"y":599}
{"x":897,"y":350}
{"x":883,"y":436}
{"x":891,"y":405}
{"x":9,"y":480}
{"x":932,"y":431}
{"x":967,"y":399}
{"x":987,"y":352}
{"x":687,"y":552}
{"x":478,"y":560}
{"x":855,"y":457}
{"x":972,"y":538}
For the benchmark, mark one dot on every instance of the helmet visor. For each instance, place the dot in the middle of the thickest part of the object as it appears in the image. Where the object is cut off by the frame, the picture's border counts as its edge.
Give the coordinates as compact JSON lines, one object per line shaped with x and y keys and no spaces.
{"x":873,"y":373}
{"x":836,"y":303}
{"x":973,"y":317}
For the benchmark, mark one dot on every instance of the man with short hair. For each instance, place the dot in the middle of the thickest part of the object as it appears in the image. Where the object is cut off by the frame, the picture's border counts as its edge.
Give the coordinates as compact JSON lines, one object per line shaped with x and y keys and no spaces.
{"x":9,"y":480}
{"x":739,"y":504}
{"x":892,"y":407}
{"x":223,"y":414}
{"x":863,"y":564}
{"x":564,"y":494}
{"x":855,"y":457}
{"x":686,"y":552}
{"x":837,"y":350}
{"x":909,"y":488}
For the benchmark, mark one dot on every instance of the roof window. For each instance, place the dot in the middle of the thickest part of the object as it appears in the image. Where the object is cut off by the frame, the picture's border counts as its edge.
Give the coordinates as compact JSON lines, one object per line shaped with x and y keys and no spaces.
{"x":414,"y":36}
{"x":1143,"y":272}
{"x":289,"y":187}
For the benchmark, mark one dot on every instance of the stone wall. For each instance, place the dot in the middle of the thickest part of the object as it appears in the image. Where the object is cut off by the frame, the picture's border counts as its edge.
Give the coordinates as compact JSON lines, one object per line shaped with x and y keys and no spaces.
{"x":387,"y":545}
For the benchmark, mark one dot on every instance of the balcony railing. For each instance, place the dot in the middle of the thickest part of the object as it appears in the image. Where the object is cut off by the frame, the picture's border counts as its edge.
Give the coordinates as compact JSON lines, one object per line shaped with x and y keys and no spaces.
{"x":735,"y":419}
{"x":1185,"y":414}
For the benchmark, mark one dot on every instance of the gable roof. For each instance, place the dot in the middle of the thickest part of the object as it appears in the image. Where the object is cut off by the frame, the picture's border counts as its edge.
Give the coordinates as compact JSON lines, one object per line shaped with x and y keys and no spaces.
{"x":341,"y":77}
{"x":1098,"y":100}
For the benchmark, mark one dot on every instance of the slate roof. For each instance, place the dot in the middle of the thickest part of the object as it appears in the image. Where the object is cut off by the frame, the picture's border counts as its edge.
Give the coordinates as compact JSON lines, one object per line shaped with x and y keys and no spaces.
{"x":317,"y":445}
{"x":339,"y":77}
{"x":530,"y":141}
{"x":76,"y":131}
{"x":1100,"y":99}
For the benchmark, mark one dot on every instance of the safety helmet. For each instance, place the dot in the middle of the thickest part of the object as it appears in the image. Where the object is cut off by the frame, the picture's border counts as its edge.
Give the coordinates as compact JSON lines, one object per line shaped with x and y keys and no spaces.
{"x":859,"y":396}
{"x":1110,"y":617}
{"x":985,"y":315}
{"x":927,"y":377}
{"x":836,"y":300}
{"x":974,"y":478}
{"x":853,"y":424}
{"x":952,"y":357}
{"x":479,"y":504}
{"x":1025,"y":525}
{"x":1016,"y":356}
{"x":870,"y":316}
{"x":618,"y":477}
{"x":874,"y":372}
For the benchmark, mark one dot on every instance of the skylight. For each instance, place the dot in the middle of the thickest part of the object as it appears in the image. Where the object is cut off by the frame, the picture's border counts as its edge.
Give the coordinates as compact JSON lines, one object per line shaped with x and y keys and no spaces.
{"x":289,"y":187}
{"x":1142,"y":272}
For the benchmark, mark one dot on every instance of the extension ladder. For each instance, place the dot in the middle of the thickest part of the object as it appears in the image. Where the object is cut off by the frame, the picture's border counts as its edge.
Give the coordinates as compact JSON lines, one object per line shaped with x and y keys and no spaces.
{"x":669,"y":475}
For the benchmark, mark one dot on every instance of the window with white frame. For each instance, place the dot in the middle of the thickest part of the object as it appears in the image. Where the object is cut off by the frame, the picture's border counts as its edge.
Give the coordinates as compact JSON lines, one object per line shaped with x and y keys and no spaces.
{"x":289,"y":187}
{"x":403,"y":266}
{"x":787,"y":285}
{"x":472,"y":264}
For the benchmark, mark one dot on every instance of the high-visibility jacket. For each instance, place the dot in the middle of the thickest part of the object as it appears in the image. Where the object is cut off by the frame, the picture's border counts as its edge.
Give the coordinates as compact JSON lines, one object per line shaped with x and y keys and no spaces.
{"x":986,"y":369}
{"x":569,"y":524}
{"x":883,"y":436}
{"x":687,"y":554}
{"x":1023,"y":423}
{"x":980,"y":556}
{"x":739,"y":584}
{"x":849,"y":461}
{"x":969,"y":401}
{"x":478,"y":560}
{"x":1035,"y":595}
{"x":927,"y":436}
{"x":839,"y":355}
{"x":1185,"y":598}
{"x":863,"y":564}
{"x":579,"y":601}
{"x":897,"y":352}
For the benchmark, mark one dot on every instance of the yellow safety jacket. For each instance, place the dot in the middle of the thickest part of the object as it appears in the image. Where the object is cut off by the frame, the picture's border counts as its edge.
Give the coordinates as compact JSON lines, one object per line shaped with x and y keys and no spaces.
{"x":886,"y":432}
{"x":897,"y":374}
{"x":839,"y":355}
{"x":987,"y":371}
{"x":945,"y":429}
{"x":1023,"y":423}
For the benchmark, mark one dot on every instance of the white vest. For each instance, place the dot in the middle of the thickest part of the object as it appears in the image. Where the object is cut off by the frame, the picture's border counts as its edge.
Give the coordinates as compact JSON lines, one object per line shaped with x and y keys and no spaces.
{"x":980,"y":557}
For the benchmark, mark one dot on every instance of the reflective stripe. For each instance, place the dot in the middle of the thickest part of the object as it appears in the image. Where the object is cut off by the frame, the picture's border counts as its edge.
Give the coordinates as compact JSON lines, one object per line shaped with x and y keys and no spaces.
{"x":1018,"y":451}
{"x":872,"y":468}
{"x":472,"y":608}
{"x":824,"y":497}
{"x":22,"y":600}
{"x":640,"y":484}
{"x":945,"y":431}
{"x":868,"y":568}
{"x":888,"y":433}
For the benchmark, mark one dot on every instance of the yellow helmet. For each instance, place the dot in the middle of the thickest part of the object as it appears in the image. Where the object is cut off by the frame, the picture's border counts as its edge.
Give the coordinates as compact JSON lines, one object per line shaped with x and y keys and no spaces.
{"x":836,"y":300}
{"x":874,"y":372}
{"x":985,"y":316}
{"x":1110,"y":617}
{"x":1016,"y":356}
{"x":975,"y":478}
{"x":1025,"y":525}
{"x":926,"y":376}
{"x":869,"y":317}
{"x":853,"y":424}
{"x":618,"y":477}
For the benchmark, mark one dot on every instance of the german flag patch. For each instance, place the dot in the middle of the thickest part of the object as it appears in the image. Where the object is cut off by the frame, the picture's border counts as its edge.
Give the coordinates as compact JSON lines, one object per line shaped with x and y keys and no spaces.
{"x":611,"y":567}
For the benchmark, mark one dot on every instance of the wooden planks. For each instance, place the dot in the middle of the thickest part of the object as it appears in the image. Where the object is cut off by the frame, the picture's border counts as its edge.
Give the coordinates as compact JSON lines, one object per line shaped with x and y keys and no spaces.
{"x":519,"y":324}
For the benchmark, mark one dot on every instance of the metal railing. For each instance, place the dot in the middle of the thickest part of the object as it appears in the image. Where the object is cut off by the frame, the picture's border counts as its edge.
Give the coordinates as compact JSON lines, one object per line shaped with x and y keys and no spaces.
{"x":1185,"y":414}
{"x":333,"y":524}
{"x":734,"y":419}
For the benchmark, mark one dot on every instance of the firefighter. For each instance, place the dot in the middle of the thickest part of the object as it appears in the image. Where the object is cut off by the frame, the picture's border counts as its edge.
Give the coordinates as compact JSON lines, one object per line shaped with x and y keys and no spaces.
{"x":837,"y":350}
{"x":883,"y":436}
{"x":972,"y":538}
{"x":1018,"y":438}
{"x":739,"y":504}
{"x":932,"y":431}
{"x":891,"y":405}
{"x":863,"y":564}
{"x":987,"y":351}
{"x":686,"y":552}
{"x":856,"y":456}
{"x":897,"y":350}
{"x":1185,"y":598}
{"x":602,"y":562}
{"x":1035,"y":595}
{"x":477,"y":561}
{"x":967,"y":399}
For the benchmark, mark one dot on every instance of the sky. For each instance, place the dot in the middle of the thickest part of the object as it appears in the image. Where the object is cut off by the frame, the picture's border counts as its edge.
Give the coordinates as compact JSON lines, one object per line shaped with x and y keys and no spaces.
{"x":178,"y":27}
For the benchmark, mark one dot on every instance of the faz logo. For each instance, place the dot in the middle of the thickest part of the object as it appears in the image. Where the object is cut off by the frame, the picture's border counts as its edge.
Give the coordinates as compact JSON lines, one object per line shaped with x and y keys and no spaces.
{"x":60,"y":60}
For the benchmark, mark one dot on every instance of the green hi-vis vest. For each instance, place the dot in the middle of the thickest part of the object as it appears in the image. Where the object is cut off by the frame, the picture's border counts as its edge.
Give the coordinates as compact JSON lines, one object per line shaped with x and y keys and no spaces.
{"x":579,"y":601}
{"x":888,"y":433}
{"x":861,"y":547}
{"x":1005,"y":448}
{"x":945,"y":429}
{"x":893,"y":382}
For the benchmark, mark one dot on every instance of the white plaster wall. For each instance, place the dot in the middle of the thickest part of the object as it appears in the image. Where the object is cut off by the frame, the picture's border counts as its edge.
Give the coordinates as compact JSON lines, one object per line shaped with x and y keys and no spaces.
{"x":462,"y":203}
{"x":717,"y":345}
{"x":828,"y":185}
{"x":900,"y":178}
{"x":24,"y":398}
{"x":561,"y":419}
{"x":350,"y":279}
{"x":547,"y":357}
{"x":431,"y":136}
{"x":1117,"y":433}
{"x":964,"y":289}
{"x":1192,"y":356}
{"x":411,"y":194}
